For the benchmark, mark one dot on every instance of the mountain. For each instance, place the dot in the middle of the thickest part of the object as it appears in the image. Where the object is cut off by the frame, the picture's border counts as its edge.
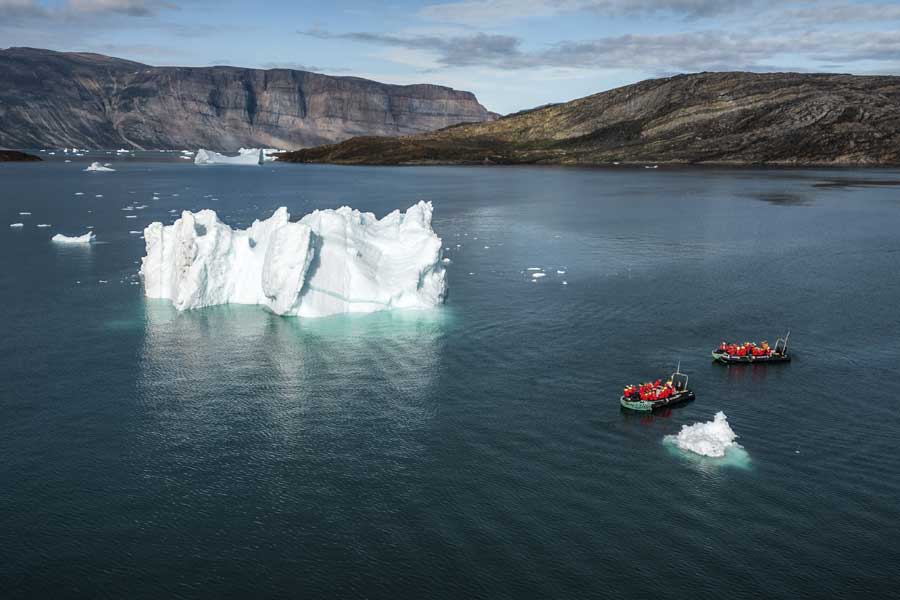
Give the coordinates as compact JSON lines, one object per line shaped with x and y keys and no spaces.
{"x":57,"y":99}
{"x":713,"y":118}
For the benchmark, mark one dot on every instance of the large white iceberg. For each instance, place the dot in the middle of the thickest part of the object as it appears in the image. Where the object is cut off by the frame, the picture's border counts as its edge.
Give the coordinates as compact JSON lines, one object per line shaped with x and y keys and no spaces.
{"x":328,"y":262}
{"x":712,"y":438}
{"x":78,"y":239}
{"x":95,"y":166}
{"x":253,"y":156}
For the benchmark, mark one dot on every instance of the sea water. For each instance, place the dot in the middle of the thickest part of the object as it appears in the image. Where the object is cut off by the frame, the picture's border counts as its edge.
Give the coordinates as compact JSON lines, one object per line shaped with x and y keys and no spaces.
{"x":477,"y":450}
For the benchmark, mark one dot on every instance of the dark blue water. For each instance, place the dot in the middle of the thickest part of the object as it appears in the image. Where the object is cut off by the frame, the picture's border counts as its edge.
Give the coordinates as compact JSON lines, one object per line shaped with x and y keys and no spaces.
{"x":475,"y":451}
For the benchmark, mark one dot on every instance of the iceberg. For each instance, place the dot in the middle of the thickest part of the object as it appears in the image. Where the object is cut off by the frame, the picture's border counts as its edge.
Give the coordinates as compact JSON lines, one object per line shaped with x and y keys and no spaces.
{"x":329,"y":262}
{"x":16,"y":225}
{"x":78,"y":239}
{"x":268,"y":154}
{"x":712,"y":438}
{"x":95,"y":166}
{"x":246,"y":157}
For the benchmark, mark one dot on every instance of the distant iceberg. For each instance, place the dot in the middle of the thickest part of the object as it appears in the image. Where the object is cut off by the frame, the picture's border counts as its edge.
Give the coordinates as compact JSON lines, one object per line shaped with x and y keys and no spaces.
{"x":329,"y":262}
{"x":95,"y":166}
{"x":712,"y":438}
{"x":268,"y":153}
{"x":80,"y":239}
{"x":253,"y":156}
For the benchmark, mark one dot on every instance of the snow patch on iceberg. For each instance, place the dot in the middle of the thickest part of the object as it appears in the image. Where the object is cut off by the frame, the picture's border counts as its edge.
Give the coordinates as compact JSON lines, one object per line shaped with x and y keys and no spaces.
{"x":95,"y":166}
{"x":329,"y":262}
{"x":78,"y":239}
{"x":252,"y":156}
{"x":712,"y":438}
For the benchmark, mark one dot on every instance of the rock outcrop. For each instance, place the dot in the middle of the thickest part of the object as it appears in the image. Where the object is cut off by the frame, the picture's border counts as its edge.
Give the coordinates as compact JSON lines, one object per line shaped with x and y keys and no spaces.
{"x":13,"y":156}
{"x":711,"y":118}
{"x":56,"y":99}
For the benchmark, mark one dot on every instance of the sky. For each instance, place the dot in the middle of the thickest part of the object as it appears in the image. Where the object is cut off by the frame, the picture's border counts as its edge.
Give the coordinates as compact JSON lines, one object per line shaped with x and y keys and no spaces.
{"x":513,"y":54}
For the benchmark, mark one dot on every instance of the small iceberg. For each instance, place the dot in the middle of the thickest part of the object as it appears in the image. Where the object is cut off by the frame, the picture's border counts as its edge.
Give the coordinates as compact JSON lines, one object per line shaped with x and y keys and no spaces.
{"x":709,"y":444}
{"x":43,"y":225}
{"x":79,"y":239}
{"x":95,"y":166}
{"x":712,"y":438}
{"x":253,"y":156}
{"x":16,"y":225}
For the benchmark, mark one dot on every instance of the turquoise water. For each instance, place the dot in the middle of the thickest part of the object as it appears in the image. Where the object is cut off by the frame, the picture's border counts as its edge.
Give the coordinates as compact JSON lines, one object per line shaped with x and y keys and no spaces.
{"x":477,"y":450}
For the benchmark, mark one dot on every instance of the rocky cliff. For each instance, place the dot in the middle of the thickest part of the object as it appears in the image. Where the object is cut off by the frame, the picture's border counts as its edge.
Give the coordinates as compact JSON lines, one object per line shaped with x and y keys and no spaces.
{"x":713,"y":118}
{"x":55,"y":99}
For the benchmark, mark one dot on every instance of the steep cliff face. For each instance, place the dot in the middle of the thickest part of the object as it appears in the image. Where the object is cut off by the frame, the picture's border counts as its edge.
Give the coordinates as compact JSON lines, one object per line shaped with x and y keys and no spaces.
{"x":89,"y":100}
{"x":714,"y":118}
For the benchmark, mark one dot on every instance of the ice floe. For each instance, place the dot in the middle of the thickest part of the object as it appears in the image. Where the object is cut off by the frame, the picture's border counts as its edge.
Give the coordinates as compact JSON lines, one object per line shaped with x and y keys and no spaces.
{"x":95,"y":166}
{"x":43,"y":225}
{"x":16,"y":225}
{"x":328,"y":262}
{"x":79,"y":239}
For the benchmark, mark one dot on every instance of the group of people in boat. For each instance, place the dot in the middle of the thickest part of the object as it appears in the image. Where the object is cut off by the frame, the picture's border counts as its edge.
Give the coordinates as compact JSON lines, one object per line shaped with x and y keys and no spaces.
{"x":746,"y":349}
{"x":651,"y":391}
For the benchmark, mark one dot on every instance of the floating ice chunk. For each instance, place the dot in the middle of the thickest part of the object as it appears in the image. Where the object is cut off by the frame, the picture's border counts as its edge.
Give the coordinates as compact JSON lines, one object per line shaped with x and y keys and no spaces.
{"x":565,"y":283}
{"x":122,"y":151}
{"x":25,"y":214}
{"x":80,"y":239}
{"x":533,"y":269}
{"x":446,"y":261}
{"x":43,"y":225}
{"x":140,"y":207}
{"x":712,"y":438}
{"x":208,"y":157}
{"x":16,"y":225}
{"x":131,"y":216}
{"x":127,"y":208}
{"x":95,"y":166}
{"x":560,"y":272}
{"x":135,"y":232}
{"x":329,"y":262}
{"x":79,"y":193}
{"x":538,"y":275}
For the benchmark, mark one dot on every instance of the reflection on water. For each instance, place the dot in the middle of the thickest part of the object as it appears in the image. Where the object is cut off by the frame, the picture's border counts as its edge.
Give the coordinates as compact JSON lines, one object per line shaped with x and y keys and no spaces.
{"x":207,"y":372}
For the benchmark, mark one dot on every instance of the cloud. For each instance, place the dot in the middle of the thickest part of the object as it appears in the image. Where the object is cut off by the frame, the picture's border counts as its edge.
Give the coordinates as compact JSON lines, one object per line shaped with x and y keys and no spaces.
{"x":712,"y":50}
{"x":842,"y":14}
{"x":131,"y":8}
{"x":22,"y":9}
{"x":452,"y":51}
{"x":33,"y":10}
{"x":485,"y":12}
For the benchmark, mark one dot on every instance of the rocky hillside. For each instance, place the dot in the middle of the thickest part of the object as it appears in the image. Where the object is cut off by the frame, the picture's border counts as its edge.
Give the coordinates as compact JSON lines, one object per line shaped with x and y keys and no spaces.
{"x":13,"y":156}
{"x":713,"y":118}
{"x":55,"y":99}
